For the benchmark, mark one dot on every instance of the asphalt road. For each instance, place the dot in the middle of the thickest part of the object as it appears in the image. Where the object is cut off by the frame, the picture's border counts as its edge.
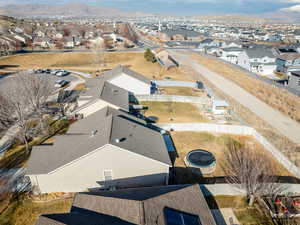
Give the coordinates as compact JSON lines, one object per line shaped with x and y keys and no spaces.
{"x":52,"y":78}
{"x":281,"y":122}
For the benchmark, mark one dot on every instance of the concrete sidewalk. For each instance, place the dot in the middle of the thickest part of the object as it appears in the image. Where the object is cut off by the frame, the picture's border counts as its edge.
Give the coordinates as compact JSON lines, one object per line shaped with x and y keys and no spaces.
{"x":282,"y":123}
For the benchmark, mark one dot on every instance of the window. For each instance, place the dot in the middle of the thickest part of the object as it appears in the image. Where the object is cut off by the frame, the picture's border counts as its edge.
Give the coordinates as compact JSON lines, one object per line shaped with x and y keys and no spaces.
{"x":174,"y":217}
{"x":107,"y":175}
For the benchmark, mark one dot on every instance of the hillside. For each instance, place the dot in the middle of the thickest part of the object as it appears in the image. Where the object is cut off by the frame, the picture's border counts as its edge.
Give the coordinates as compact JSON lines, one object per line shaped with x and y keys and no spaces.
{"x":68,"y":10}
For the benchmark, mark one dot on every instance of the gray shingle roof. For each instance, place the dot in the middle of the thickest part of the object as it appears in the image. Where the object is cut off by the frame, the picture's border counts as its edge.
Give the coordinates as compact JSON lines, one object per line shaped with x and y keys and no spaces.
{"x":110,"y":125}
{"x":114,"y":95}
{"x":138,"y":205}
{"x":260,"y":52}
{"x":118,"y":70}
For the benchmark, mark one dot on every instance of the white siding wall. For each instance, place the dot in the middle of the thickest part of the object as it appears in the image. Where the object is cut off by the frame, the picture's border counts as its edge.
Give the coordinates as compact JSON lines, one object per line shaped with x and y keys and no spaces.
{"x":131,"y":84}
{"x":294,"y":82}
{"x":244,"y":61}
{"x":86,"y":172}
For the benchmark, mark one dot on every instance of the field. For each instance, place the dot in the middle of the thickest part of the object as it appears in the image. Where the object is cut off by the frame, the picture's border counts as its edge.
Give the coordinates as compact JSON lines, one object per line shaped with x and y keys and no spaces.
{"x":184,"y":91}
{"x":172,"y":112}
{"x":216,"y":144}
{"x":92,"y":62}
{"x":280,"y":99}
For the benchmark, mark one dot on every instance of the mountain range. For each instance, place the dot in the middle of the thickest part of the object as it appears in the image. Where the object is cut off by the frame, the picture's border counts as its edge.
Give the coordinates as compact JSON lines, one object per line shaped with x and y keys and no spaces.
{"x":78,"y":9}
{"x":74,"y":9}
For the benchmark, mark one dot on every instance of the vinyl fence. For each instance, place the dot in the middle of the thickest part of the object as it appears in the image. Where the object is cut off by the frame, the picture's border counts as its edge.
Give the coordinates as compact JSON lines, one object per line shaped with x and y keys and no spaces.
{"x":237,"y":130}
{"x":172,"y":98}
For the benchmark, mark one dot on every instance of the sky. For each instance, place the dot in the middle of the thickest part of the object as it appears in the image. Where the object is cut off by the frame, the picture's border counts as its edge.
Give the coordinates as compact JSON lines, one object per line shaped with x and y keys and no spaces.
{"x":184,"y":7}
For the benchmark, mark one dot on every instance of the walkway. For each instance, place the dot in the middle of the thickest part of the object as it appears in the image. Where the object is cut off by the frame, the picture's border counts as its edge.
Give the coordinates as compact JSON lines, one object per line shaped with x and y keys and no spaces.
{"x":281,"y":122}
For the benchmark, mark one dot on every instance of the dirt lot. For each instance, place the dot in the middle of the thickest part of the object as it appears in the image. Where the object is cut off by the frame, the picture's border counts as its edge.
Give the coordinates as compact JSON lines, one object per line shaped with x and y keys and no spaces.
{"x":172,"y":112}
{"x":278,"y":98}
{"x":92,"y":62}
{"x":216,"y":144}
{"x":184,"y":91}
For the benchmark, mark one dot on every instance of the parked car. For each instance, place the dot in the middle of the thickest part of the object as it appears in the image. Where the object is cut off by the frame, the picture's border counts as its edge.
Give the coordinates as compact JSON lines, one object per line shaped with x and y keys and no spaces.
{"x":61,"y":83}
{"x":62,"y":73}
{"x":48,"y":71}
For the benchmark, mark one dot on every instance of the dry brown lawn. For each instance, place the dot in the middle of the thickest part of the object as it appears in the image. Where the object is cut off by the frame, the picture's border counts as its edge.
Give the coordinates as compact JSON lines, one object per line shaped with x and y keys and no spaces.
{"x":26,"y":211}
{"x":278,"y":98}
{"x":93,"y":62}
{"x":184,"y":91}
{"x":217,"y":144}
{"x":172,"y":112}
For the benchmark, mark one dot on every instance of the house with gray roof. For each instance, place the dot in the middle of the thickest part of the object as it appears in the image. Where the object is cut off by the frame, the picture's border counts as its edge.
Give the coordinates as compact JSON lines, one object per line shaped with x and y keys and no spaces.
{"x":231,"y":54}
{"x":288,"y":62}
{"x":128,"y":79}
{"x":107,"y":149}
{"x":258,"y":60}
{"x":164,"y":205}
{"x":100,"y":94}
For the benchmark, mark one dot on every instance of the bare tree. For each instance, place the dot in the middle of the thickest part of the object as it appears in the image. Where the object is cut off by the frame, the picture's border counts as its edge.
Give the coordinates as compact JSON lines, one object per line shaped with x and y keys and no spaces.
{"x":24,"y":97}
{"x":250,"y":171}
{"x":37,"y":89}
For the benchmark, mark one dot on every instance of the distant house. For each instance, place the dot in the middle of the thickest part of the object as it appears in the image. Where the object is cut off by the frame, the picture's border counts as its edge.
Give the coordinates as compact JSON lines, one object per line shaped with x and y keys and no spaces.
{"x":294,"y":80}
{"x":164,"y":58}
{"x":180,"y":34}
{"x":231,"y":54}
{"x":69,"y":42}
{"x":258,"y":60}
{"x":128,"y":79}
{"x":288,"y":62}
{"x":106,"y":149}
{"x":207,"y":43}
{"x":230,"y":44}
{"x":166,"y":205}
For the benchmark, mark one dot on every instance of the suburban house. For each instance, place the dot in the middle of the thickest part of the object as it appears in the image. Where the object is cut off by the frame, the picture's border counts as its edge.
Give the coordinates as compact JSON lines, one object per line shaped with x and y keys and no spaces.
{"x":108,"y":149}
{"x":128,"y":79}
{"x":230,"y":44}
{"x":208,"y":43}
{"x":165,"y":205}
{"x":294,"y":80}
{"x":231,"y":54}
{"x":164,"y":58}
{"x":101,"y":94}
{"x":288,"y":62}
{"x":258,"y":60}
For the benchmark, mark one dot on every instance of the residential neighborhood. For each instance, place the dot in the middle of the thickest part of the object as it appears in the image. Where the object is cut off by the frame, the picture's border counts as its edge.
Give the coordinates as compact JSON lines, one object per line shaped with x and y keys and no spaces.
{"x":122,"y":114}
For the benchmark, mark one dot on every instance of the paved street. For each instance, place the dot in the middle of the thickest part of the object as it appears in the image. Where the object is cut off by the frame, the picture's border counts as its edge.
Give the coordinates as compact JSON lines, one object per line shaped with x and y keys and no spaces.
{"x":284,"y":125}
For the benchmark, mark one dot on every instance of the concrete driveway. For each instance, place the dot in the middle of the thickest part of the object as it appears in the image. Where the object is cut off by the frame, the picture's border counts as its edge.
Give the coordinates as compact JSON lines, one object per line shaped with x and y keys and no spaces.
{"x":285,"y":125}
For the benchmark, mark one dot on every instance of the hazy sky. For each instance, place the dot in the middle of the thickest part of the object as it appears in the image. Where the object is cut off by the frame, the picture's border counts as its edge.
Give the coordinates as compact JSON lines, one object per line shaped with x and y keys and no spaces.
{"x":185,"y":7}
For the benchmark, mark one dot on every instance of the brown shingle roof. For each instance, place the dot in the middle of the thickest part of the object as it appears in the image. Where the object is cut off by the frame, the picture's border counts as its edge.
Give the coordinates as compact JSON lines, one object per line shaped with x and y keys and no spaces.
{"x":140,"y":205}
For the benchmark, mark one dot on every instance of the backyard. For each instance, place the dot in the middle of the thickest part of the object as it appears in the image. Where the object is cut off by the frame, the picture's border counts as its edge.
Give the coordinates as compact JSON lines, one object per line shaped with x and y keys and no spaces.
{"x":172,"y":112}
{"x":26,"y":210}
{"x":216,"y":144}
{"x":184,"y":91}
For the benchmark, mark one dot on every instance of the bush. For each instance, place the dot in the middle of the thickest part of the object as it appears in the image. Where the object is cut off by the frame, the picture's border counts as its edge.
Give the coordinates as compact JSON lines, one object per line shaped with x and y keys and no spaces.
{"x":149,"y":56}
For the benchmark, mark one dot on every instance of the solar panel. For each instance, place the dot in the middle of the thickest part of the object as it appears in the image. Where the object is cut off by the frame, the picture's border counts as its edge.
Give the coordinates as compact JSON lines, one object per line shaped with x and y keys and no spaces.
{"x":174,"y":217}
